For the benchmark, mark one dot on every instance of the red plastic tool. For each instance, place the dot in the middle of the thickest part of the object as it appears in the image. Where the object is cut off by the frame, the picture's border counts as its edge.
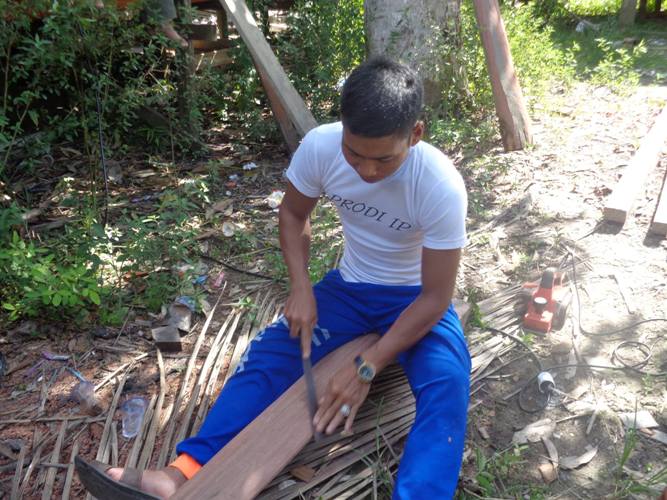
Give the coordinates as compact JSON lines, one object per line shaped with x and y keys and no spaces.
{"x":547,"y":302}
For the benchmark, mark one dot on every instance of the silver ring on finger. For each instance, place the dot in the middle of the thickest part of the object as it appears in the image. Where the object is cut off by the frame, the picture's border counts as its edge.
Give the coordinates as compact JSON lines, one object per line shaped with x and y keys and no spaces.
{"x":345,"y":410}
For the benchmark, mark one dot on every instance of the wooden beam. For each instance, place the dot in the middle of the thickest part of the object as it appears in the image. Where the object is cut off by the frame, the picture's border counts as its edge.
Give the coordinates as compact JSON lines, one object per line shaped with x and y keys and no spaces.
{"x":626,"y":16}
{"x":514,"y":122}
{"x":290,"y":134}
{"x":250,"y":461}
{"x":620,"y":202}
{"x":659,"y":224}
{"x":265,"y":59}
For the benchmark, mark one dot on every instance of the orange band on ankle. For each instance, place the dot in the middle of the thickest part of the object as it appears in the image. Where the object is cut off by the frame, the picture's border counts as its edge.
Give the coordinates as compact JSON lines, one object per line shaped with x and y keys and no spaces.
{"x":187,"y":465}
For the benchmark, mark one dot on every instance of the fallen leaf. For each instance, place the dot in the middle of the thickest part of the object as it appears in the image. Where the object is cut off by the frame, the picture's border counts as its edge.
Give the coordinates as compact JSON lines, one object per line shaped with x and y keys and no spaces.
{"x":218,"y":206}
{"x":640,"y":420}
{"x":303,"y":472}
{"x":534,"y":432}
{"x":574,"y":462}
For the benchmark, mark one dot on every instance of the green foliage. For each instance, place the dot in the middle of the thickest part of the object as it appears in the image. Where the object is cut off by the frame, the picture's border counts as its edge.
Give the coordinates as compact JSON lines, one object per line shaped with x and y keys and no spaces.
{"x":323,"y":43}
{"x":495,"y":476}
{"x":326,"y":242}
{"x":617,"y":66}
{"x":57,"y":68}
{"x":594,"y":7}
{"x":540,"y":63}
{"x":35,"y":282}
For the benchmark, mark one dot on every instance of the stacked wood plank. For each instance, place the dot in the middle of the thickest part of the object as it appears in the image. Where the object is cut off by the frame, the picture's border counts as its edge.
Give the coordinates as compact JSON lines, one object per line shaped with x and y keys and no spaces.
{"x":621,"y":202}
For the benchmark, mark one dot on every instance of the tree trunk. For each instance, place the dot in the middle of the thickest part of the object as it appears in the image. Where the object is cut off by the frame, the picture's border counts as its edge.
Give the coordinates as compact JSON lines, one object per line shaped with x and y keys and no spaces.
{"x":626,"y":16}
{"x":424,"y":34}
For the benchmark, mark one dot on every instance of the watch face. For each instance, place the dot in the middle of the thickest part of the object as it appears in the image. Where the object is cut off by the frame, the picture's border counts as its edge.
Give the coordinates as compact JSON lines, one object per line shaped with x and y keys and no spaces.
{"x":366,"y":372}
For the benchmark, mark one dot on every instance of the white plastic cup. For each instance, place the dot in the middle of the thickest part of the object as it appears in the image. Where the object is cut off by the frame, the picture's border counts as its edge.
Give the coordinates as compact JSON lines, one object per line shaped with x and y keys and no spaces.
{"x":133,"y":415}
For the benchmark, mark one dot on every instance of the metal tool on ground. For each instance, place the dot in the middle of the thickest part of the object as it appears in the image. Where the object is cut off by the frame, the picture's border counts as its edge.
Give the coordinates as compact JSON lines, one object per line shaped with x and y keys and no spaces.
{"x":546,"y":303}
{"x":310,"y":383}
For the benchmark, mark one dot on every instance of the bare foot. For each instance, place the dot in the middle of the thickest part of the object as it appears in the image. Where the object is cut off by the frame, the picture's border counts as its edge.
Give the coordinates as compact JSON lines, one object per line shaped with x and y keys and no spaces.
{"x":161,"y":483}
{"x":172,"y":34}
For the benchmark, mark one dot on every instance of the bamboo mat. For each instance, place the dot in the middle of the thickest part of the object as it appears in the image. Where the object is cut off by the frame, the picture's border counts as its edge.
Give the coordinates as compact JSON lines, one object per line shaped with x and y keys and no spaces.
{"x":345,"y":467}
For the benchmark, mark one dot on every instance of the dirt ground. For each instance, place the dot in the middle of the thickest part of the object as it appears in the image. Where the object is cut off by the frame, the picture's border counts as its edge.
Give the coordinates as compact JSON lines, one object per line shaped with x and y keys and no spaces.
{"x":548,"y":202}
{"x":560,"y":187}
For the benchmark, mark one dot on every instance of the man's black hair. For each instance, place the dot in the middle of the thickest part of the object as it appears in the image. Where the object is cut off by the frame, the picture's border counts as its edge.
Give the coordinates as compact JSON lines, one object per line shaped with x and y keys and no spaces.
{"x":381,"y":97}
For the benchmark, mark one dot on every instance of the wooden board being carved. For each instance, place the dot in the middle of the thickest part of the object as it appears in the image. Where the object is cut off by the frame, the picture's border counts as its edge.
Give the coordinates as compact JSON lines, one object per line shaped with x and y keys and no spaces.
{"x":259,"y":452}
{"x":620,"y":202}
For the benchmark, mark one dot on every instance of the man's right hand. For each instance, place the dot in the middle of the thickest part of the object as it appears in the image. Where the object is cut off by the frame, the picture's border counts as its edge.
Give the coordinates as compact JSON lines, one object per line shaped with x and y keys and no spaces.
{"x":301,"y":315}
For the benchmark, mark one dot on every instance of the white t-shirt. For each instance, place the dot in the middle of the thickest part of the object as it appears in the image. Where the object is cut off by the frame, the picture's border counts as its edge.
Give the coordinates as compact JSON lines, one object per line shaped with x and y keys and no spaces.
{"x":386,"y":223}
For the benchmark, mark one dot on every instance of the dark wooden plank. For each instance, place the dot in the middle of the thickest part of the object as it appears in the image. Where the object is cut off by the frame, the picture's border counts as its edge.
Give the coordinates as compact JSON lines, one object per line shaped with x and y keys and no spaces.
{"x":289,"y":132}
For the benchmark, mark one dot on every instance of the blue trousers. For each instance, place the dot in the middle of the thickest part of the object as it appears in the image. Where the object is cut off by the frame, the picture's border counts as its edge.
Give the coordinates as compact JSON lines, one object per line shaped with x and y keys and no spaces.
{"x":437,"y":368}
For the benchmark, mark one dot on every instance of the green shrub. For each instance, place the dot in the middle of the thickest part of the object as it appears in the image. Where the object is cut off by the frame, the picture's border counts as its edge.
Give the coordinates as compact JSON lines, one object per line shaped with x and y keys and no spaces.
{"x":34,"y":283}
{"x":323,"y":43}
{"x":59,"y":69}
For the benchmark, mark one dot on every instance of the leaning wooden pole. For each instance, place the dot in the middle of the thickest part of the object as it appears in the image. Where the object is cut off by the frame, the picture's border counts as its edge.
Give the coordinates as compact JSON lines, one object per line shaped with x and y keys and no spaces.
{"x":514,"y":123}
{"x":280,"y":90}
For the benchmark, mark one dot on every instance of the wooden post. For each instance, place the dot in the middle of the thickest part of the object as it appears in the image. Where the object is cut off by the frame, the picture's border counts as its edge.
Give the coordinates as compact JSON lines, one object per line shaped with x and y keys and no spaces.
{"x":511,"y":111}
{"x":270,"y":68}
{"x":626,"y":16}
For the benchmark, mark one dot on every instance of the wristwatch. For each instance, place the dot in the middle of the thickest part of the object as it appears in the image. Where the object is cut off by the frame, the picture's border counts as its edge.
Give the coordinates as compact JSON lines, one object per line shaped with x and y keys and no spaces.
{"x":365,"y":370}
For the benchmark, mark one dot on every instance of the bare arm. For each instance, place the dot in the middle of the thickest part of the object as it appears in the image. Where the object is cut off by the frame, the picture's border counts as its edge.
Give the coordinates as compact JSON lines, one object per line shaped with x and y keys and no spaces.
{"x":294,"y":226}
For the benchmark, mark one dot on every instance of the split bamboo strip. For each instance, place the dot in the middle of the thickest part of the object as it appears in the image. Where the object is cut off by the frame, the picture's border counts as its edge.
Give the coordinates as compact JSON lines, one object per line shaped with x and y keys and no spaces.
{"x":239,"y":349}
{"x":16,"y":481}
{"x":55,"y":458}
{"x":103,"y":449}
{"x":194,"y":396}
{"x":70,"y":471}
{"x":113,"y":444}
{"x":335,"y":466}
{"x":149,"y":443}
{"x":109,"y":420}
{"x":213,"y":378}
{"x":33,"y":462}
{"x":185,"y":385}
{"x":122,"y":367}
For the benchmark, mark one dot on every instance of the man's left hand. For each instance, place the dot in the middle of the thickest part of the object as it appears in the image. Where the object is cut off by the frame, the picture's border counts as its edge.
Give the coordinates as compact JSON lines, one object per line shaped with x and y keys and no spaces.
{"x":344,"y":388}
